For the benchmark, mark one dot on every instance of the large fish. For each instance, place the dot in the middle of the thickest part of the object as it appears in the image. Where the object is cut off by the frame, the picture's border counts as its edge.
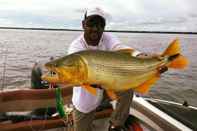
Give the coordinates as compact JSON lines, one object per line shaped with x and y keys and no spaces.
{"x":115,"y":71}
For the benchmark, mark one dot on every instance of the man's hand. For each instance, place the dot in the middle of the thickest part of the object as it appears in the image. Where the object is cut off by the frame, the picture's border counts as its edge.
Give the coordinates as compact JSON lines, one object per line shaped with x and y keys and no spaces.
{"x":95,"y":86}
{"x":162,"y":69}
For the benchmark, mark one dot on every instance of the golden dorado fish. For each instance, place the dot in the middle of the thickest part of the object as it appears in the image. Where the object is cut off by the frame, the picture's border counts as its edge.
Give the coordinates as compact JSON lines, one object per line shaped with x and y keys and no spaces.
{"x":115,"y":71}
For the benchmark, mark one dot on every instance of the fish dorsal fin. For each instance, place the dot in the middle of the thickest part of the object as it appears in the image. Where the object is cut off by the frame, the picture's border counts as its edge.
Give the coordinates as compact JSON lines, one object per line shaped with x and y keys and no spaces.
{"x":173,"y":48}
{"x":126,"y":51}
{"x":90,"y":89}
{"x":112,"y":95}
{"x":144,"y":87}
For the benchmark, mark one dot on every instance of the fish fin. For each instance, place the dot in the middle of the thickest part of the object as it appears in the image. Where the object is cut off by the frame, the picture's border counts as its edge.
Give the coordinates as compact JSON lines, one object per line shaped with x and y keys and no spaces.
{"x":112,"y":95}
{"x":144,"y":88}
{"x":90,"y":89}
{"x":180,"y":62}
{"x":127,"y":50}
{"x":173,"y":49}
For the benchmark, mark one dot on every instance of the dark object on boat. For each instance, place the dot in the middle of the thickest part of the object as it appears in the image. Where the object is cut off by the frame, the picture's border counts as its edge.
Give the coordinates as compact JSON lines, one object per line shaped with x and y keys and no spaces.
{"x":20,"y":118}
{"x":185,"y":103}
{"x":182,"y":113}
{"x":38,"y":83}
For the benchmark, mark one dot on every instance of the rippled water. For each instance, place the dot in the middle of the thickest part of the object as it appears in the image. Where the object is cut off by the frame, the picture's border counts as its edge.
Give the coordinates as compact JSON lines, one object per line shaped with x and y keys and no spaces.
{"x":19,"y":49}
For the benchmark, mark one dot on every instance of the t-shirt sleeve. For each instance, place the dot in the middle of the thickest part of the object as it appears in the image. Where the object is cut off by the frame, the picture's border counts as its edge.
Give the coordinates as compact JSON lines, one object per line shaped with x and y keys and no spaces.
{"x":75,"y":46}
{"x":115,"y":44}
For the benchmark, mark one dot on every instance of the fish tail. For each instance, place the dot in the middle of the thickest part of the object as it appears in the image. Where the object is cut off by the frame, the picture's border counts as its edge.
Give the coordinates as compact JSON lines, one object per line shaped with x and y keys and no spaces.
{"x":177,"y":60}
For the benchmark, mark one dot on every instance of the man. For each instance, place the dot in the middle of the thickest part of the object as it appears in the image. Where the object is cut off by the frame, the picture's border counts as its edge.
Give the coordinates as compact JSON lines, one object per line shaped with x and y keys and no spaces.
{"x":85,"y":104}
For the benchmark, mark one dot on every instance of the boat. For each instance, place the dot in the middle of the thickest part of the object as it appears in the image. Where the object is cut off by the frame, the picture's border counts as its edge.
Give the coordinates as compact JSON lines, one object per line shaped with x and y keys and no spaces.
{"x":150,"y":114}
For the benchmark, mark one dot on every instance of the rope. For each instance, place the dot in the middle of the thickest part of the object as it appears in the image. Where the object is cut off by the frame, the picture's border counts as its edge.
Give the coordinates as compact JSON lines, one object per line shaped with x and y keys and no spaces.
{"x":4,"y":68}
{"x":64,"y":111}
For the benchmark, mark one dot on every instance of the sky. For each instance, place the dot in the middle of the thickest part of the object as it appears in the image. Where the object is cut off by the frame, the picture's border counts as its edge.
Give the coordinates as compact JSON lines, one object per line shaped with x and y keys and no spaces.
{"x":152,"y":15}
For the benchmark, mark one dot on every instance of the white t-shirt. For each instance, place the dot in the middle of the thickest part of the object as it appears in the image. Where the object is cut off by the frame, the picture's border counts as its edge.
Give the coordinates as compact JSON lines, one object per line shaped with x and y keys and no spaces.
{"x":83,"y":100}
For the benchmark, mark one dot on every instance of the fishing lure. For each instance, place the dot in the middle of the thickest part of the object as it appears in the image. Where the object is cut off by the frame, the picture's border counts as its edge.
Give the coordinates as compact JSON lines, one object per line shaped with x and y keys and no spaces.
{"x":60,"y":103}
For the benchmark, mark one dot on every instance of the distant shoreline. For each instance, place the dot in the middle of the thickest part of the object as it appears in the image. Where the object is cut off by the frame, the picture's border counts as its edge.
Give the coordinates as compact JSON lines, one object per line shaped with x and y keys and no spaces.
{"x":116,"y":31}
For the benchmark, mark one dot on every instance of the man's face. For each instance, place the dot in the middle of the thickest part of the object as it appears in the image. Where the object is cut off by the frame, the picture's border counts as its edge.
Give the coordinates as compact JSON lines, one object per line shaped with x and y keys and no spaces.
{"x":93,"y":29}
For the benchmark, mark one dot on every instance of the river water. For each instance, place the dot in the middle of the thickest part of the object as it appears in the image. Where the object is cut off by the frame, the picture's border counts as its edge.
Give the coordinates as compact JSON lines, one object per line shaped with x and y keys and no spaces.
{"x":19,"y":49}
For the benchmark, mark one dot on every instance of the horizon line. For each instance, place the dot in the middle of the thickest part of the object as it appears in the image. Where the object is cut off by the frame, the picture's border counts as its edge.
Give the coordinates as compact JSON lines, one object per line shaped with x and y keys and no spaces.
{"x":116,"y":31}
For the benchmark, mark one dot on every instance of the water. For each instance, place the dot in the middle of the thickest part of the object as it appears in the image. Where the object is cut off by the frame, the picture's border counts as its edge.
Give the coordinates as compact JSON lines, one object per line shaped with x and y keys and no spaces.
{"x":24,"y":47}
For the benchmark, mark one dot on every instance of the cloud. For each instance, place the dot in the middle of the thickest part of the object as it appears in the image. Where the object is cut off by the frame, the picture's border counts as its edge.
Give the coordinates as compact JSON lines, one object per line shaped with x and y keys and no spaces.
{"x":127,"y":13}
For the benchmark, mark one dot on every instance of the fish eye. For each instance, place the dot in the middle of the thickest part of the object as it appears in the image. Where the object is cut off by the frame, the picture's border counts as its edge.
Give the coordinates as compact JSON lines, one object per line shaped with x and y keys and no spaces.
{"x":53,"y":73}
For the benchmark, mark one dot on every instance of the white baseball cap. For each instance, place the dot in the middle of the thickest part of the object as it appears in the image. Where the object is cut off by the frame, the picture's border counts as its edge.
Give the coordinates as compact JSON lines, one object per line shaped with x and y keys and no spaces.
{"x":96,"y":11}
